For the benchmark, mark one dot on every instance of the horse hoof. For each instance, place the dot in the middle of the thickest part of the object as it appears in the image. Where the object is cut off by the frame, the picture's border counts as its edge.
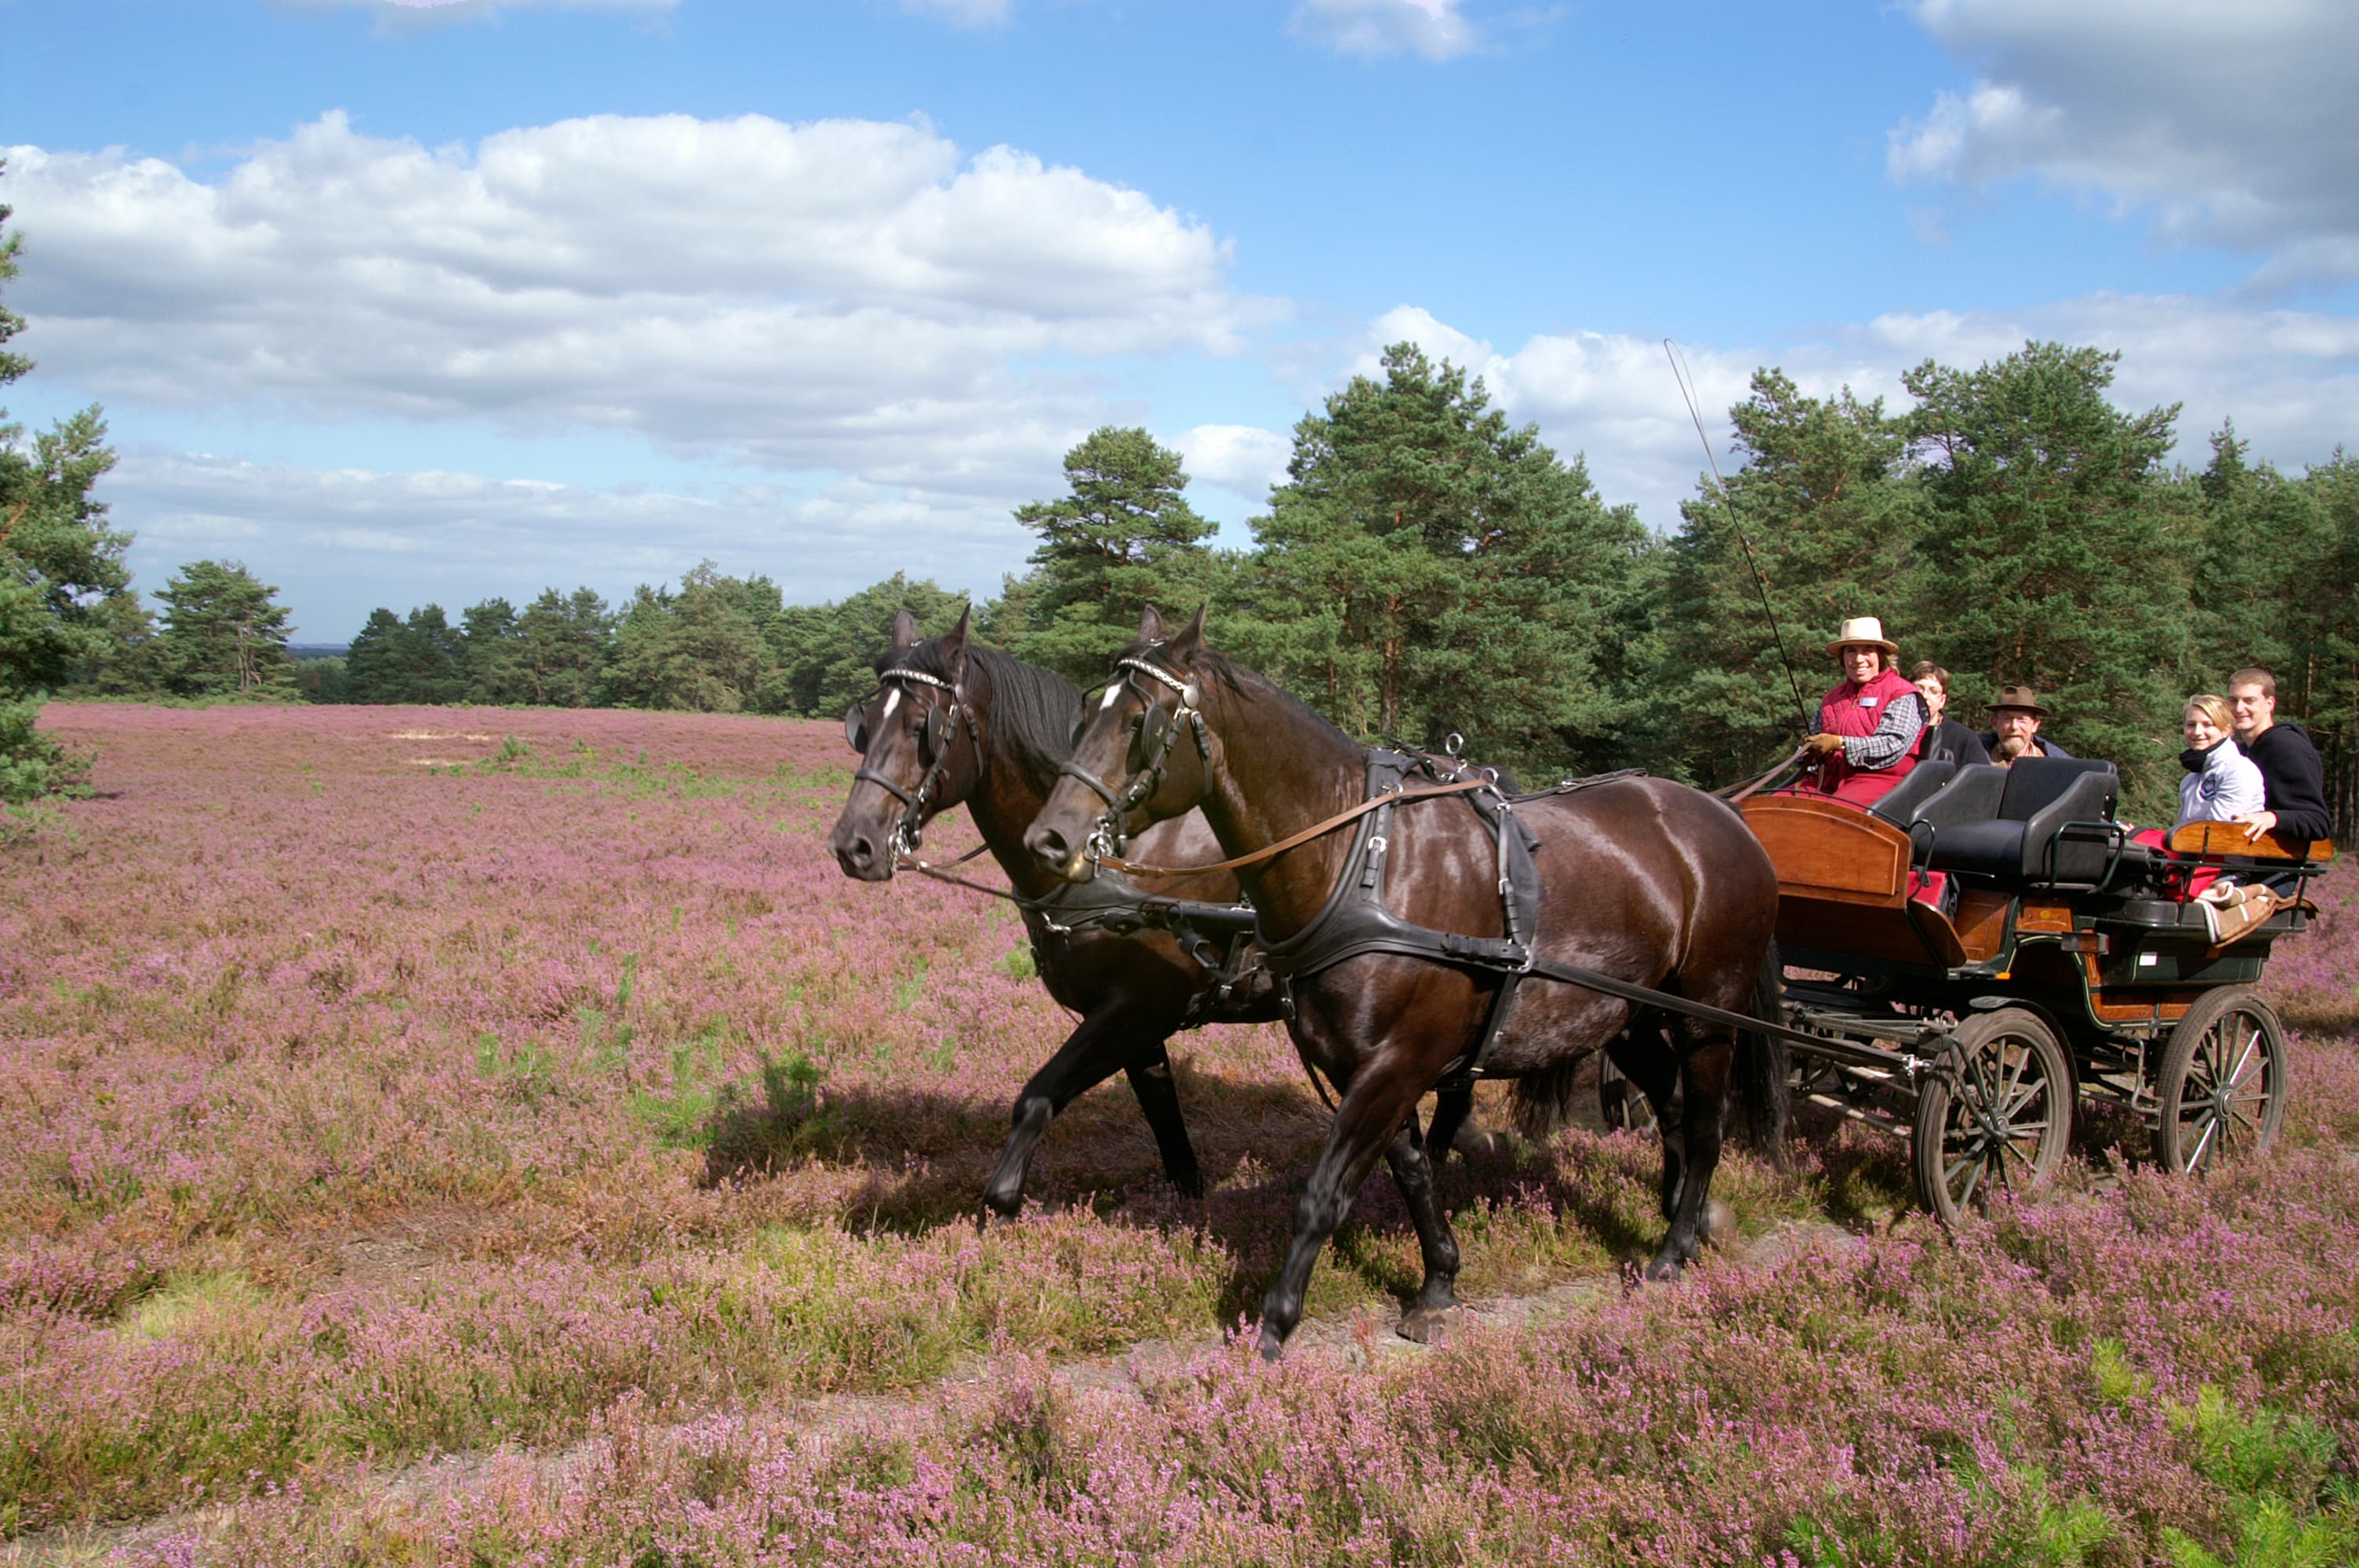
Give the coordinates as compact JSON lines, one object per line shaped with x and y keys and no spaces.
{"x":1718,"y":1223}
{"x":1474,"y":1142}
{"x":1273,"y":1346}
{"x":1425,"y":1326}
{"x":1662,"y":1270}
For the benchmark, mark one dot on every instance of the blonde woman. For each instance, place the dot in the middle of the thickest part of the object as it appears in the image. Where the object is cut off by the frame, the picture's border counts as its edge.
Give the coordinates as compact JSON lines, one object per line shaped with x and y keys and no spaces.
{"x":2222,"y":784}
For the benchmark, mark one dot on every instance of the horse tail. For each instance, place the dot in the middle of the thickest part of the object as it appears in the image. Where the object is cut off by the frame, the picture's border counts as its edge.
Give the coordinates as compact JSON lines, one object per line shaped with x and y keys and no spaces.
{"x":1543,"y":1101}
{"x":1764,"y":1088}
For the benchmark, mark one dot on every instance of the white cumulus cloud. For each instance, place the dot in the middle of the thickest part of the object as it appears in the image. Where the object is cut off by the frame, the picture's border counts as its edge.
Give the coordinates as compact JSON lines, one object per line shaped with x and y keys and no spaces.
{"x":2287,"y":378}
{"x":852,"y":296}
{"x":1244,"y":460}
{"x":2229,"y":124}
{"x":1372,"y":29}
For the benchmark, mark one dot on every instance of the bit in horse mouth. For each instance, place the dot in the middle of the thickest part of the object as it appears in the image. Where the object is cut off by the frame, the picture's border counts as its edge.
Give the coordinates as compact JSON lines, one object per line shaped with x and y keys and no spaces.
{"x":1077,"y":869}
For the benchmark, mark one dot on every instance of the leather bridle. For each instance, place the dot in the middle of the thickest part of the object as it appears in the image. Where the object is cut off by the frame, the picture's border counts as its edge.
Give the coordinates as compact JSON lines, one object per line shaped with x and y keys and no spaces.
{"x":909,"y":832}
{"x":1145,"y":774}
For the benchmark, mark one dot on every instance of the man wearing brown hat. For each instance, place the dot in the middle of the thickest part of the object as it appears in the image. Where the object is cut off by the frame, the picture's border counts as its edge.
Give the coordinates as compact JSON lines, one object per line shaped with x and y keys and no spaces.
{"x":2017,"y":713}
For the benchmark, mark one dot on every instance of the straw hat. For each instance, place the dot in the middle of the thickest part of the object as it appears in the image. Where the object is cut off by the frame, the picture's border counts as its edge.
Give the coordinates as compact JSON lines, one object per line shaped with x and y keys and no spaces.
{"x":2021,"y":696}
{"x":1864,"y":632}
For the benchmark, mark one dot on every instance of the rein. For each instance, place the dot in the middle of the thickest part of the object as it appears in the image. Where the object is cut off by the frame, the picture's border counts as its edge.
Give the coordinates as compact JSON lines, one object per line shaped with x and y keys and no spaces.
{"x":1751,"y":787}
{"x":1350,"y":814}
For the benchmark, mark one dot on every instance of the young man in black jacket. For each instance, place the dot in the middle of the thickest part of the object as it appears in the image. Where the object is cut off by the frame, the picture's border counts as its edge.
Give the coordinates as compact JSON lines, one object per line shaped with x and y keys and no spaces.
{"x":2290,"y":771}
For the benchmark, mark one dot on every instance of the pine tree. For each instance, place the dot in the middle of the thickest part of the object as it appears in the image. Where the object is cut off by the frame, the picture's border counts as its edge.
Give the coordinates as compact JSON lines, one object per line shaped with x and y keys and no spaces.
{"x":372,"y":664}
{"x":492,"y":654}
{"x":61,"y":572}
{"x":823,"y":655}
{"x":224,"y":634}
{"x":1428,"y":567}
{"x":1820,"y":508}
{"x":699,"y":648}
{"x":568,"y":640}
{"x":1125,"y":537}
{"x":2056,"y":553}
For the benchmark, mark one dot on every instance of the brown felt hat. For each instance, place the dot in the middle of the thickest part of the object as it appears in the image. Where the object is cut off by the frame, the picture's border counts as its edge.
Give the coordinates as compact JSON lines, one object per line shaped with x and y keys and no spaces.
{"x":2021,"y":696}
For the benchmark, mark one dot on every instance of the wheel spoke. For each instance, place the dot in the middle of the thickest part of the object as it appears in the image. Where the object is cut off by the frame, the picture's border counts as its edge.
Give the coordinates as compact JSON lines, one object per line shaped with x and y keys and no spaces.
{"x":1974,"y":1179}
{"x":2031,"y":1092}
{"x":2244,"y":1053}
{"x":2195,"y":1156}
{"x":2006,"y":1099}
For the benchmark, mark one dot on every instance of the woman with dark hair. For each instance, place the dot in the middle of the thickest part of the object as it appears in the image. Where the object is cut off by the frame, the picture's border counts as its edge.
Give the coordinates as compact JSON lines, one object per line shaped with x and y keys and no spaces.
{"x":1945,"y":739}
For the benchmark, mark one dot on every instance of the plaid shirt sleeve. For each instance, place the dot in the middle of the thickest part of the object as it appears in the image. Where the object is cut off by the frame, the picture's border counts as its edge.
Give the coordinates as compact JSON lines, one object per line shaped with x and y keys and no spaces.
{"x":1894,"y":734}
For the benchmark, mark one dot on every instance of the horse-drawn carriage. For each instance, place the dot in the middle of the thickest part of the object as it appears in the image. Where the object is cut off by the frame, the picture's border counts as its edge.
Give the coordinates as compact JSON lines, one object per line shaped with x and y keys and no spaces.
{"x":1420,"y":928}
{"x":2065,"y":961}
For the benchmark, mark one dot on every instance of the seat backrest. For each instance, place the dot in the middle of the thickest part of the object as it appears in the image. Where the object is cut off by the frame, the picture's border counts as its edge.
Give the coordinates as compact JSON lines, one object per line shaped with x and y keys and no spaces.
{"x":2085,"y":853}
{"x":1972,"y":794}
{"x":1902,"y":800}
{"x":2034,"y":784}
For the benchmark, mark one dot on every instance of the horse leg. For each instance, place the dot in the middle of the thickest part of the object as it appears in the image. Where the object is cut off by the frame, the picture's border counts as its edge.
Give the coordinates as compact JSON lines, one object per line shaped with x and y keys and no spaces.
{"x":1159,"y":1101}
{"x":1450,"y":1110}
{"x":1087,"y":1058}
{"x":1370,"y":1117}
{"x":1646,"y":1057}
{"x":1413,"y":1174}
{"x":1706,"y":1070}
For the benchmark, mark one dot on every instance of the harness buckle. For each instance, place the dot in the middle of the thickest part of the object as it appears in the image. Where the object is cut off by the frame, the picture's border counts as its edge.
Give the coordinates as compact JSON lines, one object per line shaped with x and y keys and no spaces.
{"x":1378,"y":844}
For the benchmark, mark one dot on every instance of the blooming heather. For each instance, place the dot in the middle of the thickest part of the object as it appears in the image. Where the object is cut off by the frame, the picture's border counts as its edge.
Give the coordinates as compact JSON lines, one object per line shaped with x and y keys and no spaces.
{"x":391,"y":1083}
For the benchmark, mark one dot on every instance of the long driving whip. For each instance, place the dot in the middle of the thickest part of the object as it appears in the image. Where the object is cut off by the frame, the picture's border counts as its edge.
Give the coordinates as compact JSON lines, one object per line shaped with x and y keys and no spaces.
{"x":1680,"y":373}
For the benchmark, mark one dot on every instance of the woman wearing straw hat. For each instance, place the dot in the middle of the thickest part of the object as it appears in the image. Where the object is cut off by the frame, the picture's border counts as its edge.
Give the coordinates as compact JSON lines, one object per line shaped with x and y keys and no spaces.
{"x":1868,"y":725}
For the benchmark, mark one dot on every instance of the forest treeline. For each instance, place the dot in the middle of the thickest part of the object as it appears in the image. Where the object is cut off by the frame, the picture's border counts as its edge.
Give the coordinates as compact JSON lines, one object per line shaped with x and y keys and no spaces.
{"x":1427,"y":565}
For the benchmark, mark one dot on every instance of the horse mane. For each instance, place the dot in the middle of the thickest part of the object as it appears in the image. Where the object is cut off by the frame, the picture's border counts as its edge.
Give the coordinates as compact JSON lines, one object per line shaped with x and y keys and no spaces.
{"x":1248,"y":685}
{"x":1029,"y":706}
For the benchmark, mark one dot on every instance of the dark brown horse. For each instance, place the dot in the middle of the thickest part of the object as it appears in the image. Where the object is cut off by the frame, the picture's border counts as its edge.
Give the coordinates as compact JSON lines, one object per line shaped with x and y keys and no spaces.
{"x":1132,"y":989}
{"x":1648,"y":882}
{"x":1132,"y":986}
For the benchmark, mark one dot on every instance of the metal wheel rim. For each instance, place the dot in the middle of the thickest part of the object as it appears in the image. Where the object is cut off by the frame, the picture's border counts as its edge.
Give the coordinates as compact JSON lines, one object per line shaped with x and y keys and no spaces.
{"x":1999,"y":1120}
{"x":1981,"y":1135}
{"x":2222,"y":1102}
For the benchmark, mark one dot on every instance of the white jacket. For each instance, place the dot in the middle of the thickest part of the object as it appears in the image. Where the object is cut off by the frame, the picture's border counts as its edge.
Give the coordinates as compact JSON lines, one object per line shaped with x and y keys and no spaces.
{"x":2226,"y":787}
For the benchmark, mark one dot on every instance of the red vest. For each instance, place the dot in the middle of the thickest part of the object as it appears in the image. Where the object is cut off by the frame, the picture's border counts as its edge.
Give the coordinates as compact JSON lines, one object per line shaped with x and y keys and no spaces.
{"x":1852,"y":710}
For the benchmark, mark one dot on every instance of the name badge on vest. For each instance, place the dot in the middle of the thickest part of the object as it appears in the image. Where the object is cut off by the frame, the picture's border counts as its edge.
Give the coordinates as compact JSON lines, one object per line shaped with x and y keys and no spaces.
{"x":1868,"y":702}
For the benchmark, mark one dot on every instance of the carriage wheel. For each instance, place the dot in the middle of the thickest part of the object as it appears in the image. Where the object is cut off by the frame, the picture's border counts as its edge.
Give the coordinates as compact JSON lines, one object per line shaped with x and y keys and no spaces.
{"x":1620,"y":1103}
{"x":2001,"y":1122}
{"x":2221,"y":1089}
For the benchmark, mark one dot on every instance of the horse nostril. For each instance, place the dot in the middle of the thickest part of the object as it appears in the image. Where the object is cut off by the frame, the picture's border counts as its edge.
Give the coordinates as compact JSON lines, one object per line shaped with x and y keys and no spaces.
{"x":1049,"y":846}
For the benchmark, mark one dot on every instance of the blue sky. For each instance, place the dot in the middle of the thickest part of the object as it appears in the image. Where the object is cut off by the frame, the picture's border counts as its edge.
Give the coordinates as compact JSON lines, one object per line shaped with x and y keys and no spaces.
{"x":399,"y":303}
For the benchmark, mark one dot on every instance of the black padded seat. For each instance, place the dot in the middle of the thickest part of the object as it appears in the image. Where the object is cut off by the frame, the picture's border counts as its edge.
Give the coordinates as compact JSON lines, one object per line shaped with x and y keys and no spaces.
{"x":1917,"y":786}
{"x":1970,"y":794}
{"x":2026,"y":840}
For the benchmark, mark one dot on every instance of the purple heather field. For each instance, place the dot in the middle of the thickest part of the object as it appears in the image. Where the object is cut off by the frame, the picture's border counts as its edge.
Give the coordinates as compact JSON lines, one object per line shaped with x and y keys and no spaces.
{"x":487,"y":1137}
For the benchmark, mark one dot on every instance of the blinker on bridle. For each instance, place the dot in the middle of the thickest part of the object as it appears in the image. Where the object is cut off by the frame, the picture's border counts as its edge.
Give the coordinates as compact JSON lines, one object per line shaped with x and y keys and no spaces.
{"x":1151,"y":752}
{"x":935,"y":732}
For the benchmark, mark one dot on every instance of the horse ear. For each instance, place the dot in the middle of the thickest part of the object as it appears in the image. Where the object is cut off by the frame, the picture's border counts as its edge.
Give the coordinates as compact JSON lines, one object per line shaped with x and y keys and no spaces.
{"x":905,"y":630}
{"x":1150,"y":625}
{"x":1192,"y":635}
{"x":953,"y":644}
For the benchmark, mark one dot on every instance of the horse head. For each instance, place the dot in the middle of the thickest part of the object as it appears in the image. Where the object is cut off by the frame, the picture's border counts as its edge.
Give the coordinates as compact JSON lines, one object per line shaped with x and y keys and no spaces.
{"x":920,"y":746}
{"x":1142,"y":754}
